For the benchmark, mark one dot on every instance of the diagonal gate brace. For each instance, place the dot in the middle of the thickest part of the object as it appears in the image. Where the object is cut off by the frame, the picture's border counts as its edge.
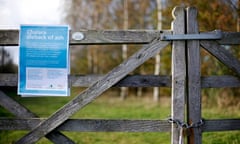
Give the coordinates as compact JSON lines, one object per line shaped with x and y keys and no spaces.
{"x":22,"y":112}
{"x":93,"y":91}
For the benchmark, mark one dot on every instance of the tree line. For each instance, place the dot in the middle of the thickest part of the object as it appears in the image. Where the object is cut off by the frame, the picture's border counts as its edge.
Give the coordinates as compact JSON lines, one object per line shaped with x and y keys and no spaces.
{"x":109,"y":14}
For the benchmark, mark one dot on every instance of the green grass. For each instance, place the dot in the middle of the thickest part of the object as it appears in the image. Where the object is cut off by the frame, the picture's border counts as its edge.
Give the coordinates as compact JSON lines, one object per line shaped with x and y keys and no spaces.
{"x":109,"y":106}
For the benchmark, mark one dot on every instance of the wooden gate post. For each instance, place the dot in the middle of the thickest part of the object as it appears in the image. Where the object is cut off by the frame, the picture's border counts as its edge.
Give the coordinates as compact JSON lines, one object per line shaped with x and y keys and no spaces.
{"x":178,"y":73}
{"x":193,"y":79}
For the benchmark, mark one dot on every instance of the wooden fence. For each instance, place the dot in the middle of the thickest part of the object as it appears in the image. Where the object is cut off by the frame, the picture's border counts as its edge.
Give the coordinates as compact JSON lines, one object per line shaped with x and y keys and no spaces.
{"x":185,"y":81}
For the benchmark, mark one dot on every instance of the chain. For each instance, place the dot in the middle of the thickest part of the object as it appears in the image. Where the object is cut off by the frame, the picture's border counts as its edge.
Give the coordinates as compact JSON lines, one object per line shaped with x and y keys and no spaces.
{"x":186,"y":125}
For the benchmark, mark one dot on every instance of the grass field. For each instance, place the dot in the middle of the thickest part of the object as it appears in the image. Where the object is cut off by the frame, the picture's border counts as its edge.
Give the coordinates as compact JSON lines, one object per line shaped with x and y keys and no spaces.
{"x":109,"y":106}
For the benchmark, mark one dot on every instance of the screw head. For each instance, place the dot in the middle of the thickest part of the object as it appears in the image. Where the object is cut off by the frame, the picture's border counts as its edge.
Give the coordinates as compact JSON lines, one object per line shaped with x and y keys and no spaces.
{"x":78,"y":36}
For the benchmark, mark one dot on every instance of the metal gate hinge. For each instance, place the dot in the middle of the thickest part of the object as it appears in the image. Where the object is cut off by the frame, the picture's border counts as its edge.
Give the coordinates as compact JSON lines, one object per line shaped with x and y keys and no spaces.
{"x":217,"y":34}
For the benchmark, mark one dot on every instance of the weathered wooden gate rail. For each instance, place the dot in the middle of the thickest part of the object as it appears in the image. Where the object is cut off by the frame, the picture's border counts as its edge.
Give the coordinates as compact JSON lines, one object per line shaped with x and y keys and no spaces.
{"x":104,"y":125}
{"x":185,"y":80}
{"x":108,"y":37}
{"x":135,"y":81}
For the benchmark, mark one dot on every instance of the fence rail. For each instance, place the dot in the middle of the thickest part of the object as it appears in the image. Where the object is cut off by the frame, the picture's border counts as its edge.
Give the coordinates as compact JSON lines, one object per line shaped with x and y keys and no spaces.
{"x":108,"y":37}
{"x":185,"y":82}
{"x":122,"y":125}
{"x":11,"y":80}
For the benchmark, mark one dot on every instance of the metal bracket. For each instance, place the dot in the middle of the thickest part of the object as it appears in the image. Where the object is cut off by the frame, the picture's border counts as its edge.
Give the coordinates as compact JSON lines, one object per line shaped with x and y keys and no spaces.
{"x":216,"y":35}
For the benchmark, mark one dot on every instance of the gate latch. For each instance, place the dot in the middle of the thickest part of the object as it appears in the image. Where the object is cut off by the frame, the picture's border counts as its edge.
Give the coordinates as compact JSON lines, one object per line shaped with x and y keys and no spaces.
{"x":215,"y":35}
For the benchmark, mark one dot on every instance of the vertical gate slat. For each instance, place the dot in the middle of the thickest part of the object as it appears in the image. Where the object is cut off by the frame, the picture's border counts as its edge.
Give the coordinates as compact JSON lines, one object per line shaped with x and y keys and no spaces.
{"x":193,"y":78}
{"x":178,"y":71}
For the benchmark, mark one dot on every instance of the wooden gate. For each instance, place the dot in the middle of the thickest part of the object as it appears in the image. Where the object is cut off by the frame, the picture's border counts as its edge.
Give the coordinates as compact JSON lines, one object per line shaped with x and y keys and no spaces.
{"x":186,"y":83}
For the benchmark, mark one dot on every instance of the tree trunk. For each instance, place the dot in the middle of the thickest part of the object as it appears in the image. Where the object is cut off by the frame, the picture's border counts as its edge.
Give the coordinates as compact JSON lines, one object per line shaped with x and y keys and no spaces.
{"x":124,"y":90}
{"x":238,"y":16}
{"x":156,"y":90}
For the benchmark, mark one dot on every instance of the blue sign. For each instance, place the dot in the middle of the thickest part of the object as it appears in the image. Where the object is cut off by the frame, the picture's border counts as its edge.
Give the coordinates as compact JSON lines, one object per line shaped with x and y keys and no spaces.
{"x":43,"y":60}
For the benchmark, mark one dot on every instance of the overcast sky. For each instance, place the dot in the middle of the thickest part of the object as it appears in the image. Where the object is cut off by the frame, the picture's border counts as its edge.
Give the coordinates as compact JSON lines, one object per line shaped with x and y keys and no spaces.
{"x":16,"y":12}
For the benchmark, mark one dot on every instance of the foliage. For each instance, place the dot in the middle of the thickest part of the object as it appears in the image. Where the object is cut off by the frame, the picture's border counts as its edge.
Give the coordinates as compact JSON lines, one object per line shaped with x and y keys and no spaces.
{"x":212,"y":15}
{"x":108,"y":14}
{"x":215,"y":14}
